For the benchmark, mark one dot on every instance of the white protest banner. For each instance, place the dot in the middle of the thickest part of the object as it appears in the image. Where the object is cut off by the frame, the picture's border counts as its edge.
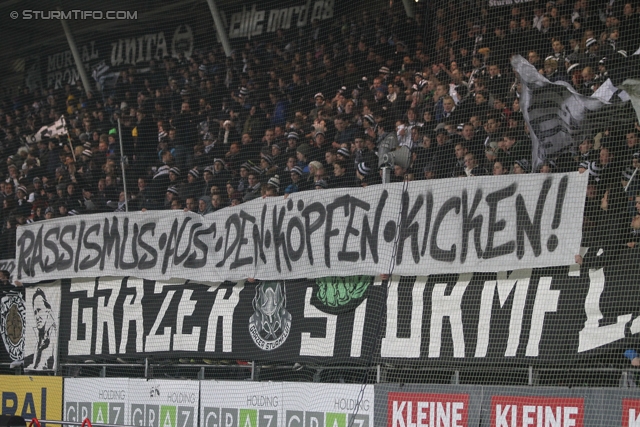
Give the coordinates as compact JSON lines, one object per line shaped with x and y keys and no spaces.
{"x":448,"y":226}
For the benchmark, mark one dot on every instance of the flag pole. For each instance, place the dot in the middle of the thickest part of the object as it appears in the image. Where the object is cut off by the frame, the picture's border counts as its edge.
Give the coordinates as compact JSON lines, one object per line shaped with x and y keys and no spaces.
{"x":64,"y":124}
{"x":626,"y":187}
{"x":122,"y":165}
{"x":71,"y":147}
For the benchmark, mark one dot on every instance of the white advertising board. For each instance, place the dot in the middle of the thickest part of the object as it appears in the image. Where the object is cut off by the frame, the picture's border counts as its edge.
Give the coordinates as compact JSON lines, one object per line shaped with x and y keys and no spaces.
{"x":243,"y":404}
{"x":124,"y":401}
{"x":101,"y":400}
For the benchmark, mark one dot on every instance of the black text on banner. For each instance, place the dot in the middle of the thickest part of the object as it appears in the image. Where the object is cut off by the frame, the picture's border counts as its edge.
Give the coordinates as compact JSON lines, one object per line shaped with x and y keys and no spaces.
{"x":485,"y":224}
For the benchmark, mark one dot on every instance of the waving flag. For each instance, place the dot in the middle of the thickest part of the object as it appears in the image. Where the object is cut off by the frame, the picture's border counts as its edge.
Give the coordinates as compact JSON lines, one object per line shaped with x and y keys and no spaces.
{"x":555,"y":113}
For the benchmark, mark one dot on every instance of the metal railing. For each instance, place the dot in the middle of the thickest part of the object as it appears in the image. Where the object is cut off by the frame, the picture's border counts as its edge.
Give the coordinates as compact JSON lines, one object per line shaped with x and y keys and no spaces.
{"x":383,"y":372}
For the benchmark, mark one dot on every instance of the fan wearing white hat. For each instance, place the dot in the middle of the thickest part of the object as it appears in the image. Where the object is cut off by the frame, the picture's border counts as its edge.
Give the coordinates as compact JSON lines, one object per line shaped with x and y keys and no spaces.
{"x":272,"y":188}
{"x":320,"y":106}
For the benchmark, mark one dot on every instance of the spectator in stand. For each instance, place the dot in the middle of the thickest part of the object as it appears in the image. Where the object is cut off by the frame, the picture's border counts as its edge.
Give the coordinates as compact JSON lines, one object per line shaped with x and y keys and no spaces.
{"x":204,"y":205}
{"x":458,"y":168}
{"x":471,"y":166}
{"x":586,"y":152}
{"x":296,"y":178}
{"x":146,"y":142}
{"x":253,"y":191}
{"x":513,"y":147}
{"x":8,"y":238}
{"x":340,"y":177}
{"x":499,"y":169}
{"x":497,"y":84}
{"x":191,"y":205}
{"x":302,"y":154}
{"x":612,"y":227}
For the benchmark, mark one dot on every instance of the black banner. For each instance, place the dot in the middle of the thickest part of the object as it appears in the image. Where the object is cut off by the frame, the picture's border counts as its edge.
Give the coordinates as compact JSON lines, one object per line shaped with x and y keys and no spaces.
{"x":110,"y":53}
{"x":541,"y":315}
{"x":246,"y":21}
{"x":141,"y":36}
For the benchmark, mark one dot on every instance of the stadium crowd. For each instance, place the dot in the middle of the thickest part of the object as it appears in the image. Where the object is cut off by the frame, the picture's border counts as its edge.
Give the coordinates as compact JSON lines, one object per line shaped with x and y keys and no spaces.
{"x":304,"y":110}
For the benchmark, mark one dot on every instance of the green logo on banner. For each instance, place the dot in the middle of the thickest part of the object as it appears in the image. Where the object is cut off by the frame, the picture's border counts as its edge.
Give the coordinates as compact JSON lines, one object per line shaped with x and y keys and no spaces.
{"x":100,"y":412}
{"x":334,"y":419}
{"x":248,"y":418}
{"x":167,"y":416}
{"x":336,"y":295}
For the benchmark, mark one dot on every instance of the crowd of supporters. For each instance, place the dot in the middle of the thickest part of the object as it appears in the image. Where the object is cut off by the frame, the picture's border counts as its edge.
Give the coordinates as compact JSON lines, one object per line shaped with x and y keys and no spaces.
{"x":305,"y":110}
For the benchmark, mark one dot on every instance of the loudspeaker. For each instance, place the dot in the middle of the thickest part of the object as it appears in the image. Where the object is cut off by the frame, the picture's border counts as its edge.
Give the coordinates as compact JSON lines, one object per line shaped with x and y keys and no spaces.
{"x":400,"y":156}
{"x":12,"y":421}
{"x":388,"y":143}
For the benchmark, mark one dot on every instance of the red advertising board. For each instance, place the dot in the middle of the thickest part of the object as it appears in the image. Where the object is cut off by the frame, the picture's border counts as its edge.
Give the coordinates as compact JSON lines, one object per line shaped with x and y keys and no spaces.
{"x":427,"y":410}
{"x":534,"y":411}
{"x":630,"y":412}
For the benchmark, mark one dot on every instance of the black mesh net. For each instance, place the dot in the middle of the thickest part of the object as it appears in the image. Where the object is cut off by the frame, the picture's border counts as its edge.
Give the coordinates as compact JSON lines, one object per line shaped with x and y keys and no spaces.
{"x":320,"y":213}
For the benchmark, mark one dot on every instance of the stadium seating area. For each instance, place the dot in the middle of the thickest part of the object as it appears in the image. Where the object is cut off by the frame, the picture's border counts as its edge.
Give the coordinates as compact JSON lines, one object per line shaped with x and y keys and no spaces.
{"x":306,"y":109}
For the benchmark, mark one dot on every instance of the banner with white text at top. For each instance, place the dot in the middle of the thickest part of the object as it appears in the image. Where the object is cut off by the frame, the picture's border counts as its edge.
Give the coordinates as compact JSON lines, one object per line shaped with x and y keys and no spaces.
{"x":539,"y":316}
{"x":180,"y":31}
{"x":105,"y":52}
{"x":248,"y":21}
{"x":485,"y":224}
{"x":496,"y":3}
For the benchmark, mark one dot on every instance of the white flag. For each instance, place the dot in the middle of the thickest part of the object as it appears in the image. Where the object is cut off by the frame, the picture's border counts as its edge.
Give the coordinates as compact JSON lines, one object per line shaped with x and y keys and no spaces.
{"x":606,"y":91}
{"x":58,"y":128}
{"x":554,"y":112}
{"x":632,"y":87}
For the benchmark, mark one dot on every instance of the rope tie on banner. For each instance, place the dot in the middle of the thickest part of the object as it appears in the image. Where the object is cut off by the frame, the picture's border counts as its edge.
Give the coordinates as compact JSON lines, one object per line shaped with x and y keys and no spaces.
{"x":86,"y":422}
{"x":34,"y":421}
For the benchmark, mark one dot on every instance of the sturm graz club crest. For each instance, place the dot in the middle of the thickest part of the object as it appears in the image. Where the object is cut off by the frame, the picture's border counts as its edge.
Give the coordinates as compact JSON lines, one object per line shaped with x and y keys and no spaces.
{"x":12,"y":321}
{"x":270,"y":323}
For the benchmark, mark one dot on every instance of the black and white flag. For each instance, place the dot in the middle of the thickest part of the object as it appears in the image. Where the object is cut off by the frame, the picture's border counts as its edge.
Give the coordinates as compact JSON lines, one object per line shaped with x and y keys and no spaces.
{"x":557,"y":115}
{"x":632,"y":88}
{"x":58,"y":128}
{"x":104,"y":77}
